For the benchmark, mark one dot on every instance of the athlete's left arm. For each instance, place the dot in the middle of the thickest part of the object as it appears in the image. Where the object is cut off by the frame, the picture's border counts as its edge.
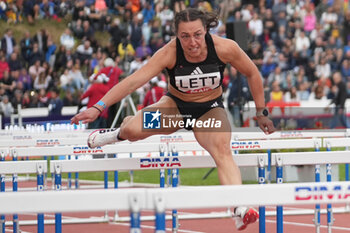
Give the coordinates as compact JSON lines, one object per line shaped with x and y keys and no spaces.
{"x":229,"y":52}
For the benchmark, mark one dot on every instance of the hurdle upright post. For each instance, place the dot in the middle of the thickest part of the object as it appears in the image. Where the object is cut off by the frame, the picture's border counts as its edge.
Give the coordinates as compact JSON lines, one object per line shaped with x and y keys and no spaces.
{"x":135,"y":218}
{"x":69,"y":181}
{"x":2,"y":189}
{"x":279,"y":180}
{"x":40,"y":188}
{"x":347,"y":170}
{"x":160,"y":213}
{"x":105,"y":175}
{"x":330,"y":219}
{"x":15,"y":189}
{"x":116,"y":178}
{"x":262,"y":220}
{"x":175,"y":179}
{"x":76,"y":177}
{"x":317,"y":217}
{"x":58,"y":187}
{"x":162,"y":171}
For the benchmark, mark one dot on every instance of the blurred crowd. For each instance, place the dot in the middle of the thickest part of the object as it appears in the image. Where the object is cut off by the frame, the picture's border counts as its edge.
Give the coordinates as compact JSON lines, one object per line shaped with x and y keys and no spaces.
{"x":297,"y":46}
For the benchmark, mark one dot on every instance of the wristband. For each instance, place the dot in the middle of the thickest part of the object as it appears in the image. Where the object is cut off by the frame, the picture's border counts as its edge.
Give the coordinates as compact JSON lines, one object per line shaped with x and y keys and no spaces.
{"x":97,"y":108}
{"x":100,"y":103}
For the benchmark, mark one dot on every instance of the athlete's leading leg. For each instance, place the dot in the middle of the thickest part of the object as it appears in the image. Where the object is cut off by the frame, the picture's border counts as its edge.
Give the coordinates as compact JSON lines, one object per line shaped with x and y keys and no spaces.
{"x":132,"y":126}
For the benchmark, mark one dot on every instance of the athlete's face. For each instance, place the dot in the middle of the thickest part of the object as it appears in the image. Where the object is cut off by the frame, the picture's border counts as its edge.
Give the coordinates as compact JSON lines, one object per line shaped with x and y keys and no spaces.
{"x":192,"y":37}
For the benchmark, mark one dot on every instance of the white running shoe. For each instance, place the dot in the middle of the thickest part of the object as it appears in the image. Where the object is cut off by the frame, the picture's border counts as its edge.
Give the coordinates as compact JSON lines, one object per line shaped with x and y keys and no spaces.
{"x":101,"y":137}
{"x":244,"y":216}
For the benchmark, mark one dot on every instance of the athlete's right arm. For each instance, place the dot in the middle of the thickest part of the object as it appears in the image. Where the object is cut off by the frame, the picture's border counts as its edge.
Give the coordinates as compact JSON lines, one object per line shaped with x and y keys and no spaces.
{"x":163,"y":58}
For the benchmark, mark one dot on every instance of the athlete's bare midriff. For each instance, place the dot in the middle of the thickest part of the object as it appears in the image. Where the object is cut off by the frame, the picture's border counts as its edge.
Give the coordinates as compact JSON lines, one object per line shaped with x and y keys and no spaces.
{"x":196,"y":97}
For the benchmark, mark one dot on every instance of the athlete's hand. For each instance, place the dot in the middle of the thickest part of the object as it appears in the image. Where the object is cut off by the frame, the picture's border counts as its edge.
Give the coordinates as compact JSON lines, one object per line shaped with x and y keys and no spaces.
{"x":89,"y":115}
{"x":265,"y":124}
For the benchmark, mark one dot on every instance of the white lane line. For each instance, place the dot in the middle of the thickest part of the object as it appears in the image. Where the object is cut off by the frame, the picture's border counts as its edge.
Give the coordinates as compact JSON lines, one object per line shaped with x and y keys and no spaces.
{"x":11,"y":230}
{"x":309,"y":225}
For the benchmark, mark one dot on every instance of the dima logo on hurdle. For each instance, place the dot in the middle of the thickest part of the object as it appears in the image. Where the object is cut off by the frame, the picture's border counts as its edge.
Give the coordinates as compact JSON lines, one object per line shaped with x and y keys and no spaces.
{"x":151,"y":120}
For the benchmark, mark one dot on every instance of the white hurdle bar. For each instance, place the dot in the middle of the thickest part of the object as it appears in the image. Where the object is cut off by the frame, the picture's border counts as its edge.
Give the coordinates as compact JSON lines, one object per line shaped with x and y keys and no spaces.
{"x":84,"y":149}
{"x":13,"y":139}
{"x":126,"y":164}
{"x":159,"y":199}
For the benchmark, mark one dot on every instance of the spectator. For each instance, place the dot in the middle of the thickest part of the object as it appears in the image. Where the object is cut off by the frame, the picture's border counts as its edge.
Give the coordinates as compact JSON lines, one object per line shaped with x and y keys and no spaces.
{"x":67,"y":40}
{"x":4,"y":66}
{"x":30,"y":10}
{"x":165,"y":15}
{"x":41,"y":39}
{"x":36,"y":69}
{"x":278,"y":7}
{"x":26,"y":101}
{"x":148,"y":12}
{"x":154,"y":93}
{"x":17,"y":100}
{"x":88,"y":32}
{"x":6,"y":107}
{"x":276,"y":93}
{"x":255,"y":54}
{"x":323,"y":69}
{"x":309,"y":21}
{"x":47,"y":9}
{"x":50,"y":55}
{"x":143,"y":50}
{"x":8,"y":43}
{"x":69,"y":99}
{"x":136,"y":30}
{"x":276,"y":76}
{"x":42,"y":98}
{"x":42,"y":81}
{"x":84,"y":52}
{"x":117,"y":34}
{"x":26,"y":45}
{"x":345,"y":70}
{"x":339,"y":101}
{"x":303,"y":92}
{"x":346,"y":27}
{"x":126,"y":50}
{"x":111,"y":70}
{"x":14,"y":63}
{"x":36,"y":55}
{"x":26,"y":80}
{"x":321,"y":8}
{"x":77,"y":77}
{"x":8,"y":84}
{"x":66,"y":81}
{"x":55,"y":103}
{"x":255,"y":26}
{"x":95,"y":92}
{"x":302,"y":42}
{"x":77,"y":29}
{"x":292,"y":7}
{"x":329,"y":19}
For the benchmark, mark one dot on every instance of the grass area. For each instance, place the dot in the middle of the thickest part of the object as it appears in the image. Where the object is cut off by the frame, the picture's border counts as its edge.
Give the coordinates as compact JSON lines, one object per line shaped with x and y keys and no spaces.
{"x":187,"y":176}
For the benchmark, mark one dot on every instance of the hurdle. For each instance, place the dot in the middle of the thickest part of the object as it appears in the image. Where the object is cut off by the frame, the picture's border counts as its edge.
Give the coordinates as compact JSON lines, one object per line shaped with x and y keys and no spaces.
{"x":158,"y":199}
{"x":264,"y":144}
{"x":126,"y":164}
{"x":38,"y":167}
{"x":310,"y":158}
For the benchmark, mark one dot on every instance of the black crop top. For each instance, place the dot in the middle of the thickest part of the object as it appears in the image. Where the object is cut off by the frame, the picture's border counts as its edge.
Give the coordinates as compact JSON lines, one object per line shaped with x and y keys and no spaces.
{"x":198,"y":77}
